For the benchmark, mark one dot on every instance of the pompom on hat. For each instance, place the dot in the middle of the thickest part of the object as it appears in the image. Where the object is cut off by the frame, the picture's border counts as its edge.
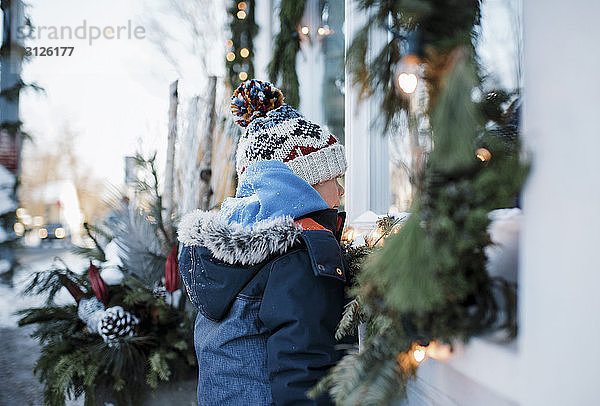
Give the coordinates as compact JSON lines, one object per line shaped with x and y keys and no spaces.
{"x":276,"y":131}
{"x":252,"y":99}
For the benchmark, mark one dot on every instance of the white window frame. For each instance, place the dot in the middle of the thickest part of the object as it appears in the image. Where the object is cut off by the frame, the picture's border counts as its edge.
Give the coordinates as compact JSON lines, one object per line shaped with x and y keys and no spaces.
{"x":367,"y":180}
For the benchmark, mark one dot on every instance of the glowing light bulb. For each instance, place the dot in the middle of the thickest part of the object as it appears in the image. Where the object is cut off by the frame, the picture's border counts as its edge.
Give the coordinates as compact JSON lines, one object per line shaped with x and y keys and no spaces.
{"x":324,"y":31}
{"x":407,"y":73}
{"x":229,"y":43}
{"x":419,"y":354}
{"x":244,"y":52}
{"x":243,"y":76}
{"x":26,"y":219}
{"x":375,"y":237}
{"x":305,"y":30}
{"x":483,"y":154}
{"x":60,"y":233}
{"x":241,"y":14}
{"x":38,"y":221}
{"x":407,"y":82}
{"x":349,"y":236}
{"x":230,"y":56}
{"x":439,"y":351}
{"x":242,"y":5}
{"x":19,"y":229}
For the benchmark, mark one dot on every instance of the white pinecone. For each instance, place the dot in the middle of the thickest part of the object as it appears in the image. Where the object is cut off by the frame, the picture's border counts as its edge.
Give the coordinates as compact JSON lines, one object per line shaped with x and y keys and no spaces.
{"x":160,"y":292}
{"x":91,"y":311}
{"x":116,"y":323}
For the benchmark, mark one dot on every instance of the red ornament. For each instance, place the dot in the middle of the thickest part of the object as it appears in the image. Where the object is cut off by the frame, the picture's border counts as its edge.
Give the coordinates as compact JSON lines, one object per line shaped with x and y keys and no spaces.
{"x":98,"y":285}
{"x":73,"y":288}
{"x":172,"y":271}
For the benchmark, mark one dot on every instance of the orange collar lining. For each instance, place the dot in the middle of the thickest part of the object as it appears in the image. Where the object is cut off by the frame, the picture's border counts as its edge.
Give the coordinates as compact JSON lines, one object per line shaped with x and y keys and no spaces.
{"x":309,"y":224}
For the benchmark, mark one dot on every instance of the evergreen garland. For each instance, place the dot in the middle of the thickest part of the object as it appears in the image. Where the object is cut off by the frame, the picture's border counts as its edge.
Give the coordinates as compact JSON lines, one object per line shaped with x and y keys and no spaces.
{"x":142,"y":339}
{"x":282,"y":68}
{"x":442,"y":26}
{"x":428,"y":283}
{"x":243,"y":30}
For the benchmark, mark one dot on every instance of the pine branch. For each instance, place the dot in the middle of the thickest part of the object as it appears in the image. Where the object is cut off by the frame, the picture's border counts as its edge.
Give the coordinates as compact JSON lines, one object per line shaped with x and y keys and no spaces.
{"x":282,"y":68}
{"x":374,"y":376}
{"x":12,"y":93}
{"x":100,"y":230}
{"x":352,"y":317}
{"x":86,"y":252}
{"x":142,"y":253}
{"x":159,"y":369}
{"x":429,"y":281}
{"x":100,"y":254}
{"x":165,"y":236}
{"x":49,"y":282}
{"x":440,"y":35}
{"x":74,"y":361}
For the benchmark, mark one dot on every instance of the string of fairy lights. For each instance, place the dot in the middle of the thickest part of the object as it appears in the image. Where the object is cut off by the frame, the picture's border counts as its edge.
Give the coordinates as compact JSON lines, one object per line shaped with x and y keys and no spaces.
{"x":323,"y":30}
{"x":240,"y":47}
{"x":240,"y":51}
{"x":408,"y":74}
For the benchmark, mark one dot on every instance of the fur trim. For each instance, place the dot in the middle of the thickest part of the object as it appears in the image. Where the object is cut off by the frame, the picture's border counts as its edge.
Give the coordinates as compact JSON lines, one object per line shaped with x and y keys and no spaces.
{"x":234,"y":244}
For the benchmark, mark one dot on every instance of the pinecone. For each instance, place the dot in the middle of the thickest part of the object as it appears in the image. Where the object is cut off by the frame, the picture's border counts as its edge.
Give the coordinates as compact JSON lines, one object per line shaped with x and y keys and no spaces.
{"x":160,"y":292}
{"x":91,"y":311}
{"x":116,"y":323}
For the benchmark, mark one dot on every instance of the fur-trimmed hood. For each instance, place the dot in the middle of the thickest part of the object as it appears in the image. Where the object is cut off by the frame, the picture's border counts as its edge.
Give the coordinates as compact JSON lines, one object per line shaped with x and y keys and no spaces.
{"x":219,"y":259}
{"x":235,"y":244}
{"x":259,"y":221}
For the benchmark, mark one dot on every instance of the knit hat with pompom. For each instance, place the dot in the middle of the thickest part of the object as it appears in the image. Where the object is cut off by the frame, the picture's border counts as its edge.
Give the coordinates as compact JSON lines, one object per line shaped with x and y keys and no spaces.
{"x":274,"y":130}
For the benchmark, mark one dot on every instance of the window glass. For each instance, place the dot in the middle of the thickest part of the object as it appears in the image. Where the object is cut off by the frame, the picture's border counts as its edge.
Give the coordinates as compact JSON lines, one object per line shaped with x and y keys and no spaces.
{"x":499,"y":50}
{"x":330,"y":31}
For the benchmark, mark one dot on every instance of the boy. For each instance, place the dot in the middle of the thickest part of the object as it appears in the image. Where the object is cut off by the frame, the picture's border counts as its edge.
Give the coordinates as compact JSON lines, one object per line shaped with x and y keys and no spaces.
{"x":266,"y":271}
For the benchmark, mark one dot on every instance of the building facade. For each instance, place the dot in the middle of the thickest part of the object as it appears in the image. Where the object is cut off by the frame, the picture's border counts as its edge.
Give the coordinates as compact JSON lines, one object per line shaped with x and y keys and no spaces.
{"x":549,"y":246}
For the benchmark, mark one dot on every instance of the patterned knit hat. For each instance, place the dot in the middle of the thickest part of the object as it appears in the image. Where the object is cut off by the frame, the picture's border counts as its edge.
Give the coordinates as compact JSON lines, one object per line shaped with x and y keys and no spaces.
{"x":274,"y":130}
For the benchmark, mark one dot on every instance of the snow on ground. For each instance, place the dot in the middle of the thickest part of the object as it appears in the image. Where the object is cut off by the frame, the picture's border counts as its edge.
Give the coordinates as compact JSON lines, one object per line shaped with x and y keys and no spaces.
{"x":4,"y":263}
{"x":7,"y":182}
{"x":12,"y":299}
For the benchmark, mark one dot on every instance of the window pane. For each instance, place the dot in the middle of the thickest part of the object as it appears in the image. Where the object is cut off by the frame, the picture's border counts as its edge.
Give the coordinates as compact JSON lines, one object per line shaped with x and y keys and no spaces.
{"x":330,"y":31}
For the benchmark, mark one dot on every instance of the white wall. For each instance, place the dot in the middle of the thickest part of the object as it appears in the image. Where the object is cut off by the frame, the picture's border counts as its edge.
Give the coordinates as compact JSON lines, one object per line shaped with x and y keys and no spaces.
{"x":560,"y":272}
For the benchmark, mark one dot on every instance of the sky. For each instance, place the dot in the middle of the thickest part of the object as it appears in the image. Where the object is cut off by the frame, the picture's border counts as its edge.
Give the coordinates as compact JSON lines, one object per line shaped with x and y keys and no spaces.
{"x":113,"y":93}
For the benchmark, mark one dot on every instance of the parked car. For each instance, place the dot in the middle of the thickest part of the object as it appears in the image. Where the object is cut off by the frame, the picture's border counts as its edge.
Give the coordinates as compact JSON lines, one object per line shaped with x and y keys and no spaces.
{"x":54,"y":232}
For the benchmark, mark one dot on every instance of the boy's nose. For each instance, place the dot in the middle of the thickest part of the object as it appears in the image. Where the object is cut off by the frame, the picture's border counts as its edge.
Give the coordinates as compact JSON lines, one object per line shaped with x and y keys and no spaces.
{"x":340,"y":190}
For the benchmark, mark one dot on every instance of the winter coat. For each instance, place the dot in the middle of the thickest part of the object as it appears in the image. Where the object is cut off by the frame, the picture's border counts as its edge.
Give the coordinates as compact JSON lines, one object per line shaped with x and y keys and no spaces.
{"x":267,"y":276}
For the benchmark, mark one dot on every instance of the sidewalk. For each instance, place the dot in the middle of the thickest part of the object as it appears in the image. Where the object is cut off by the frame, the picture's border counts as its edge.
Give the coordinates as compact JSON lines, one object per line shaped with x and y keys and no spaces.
{"x":18,"y":354}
